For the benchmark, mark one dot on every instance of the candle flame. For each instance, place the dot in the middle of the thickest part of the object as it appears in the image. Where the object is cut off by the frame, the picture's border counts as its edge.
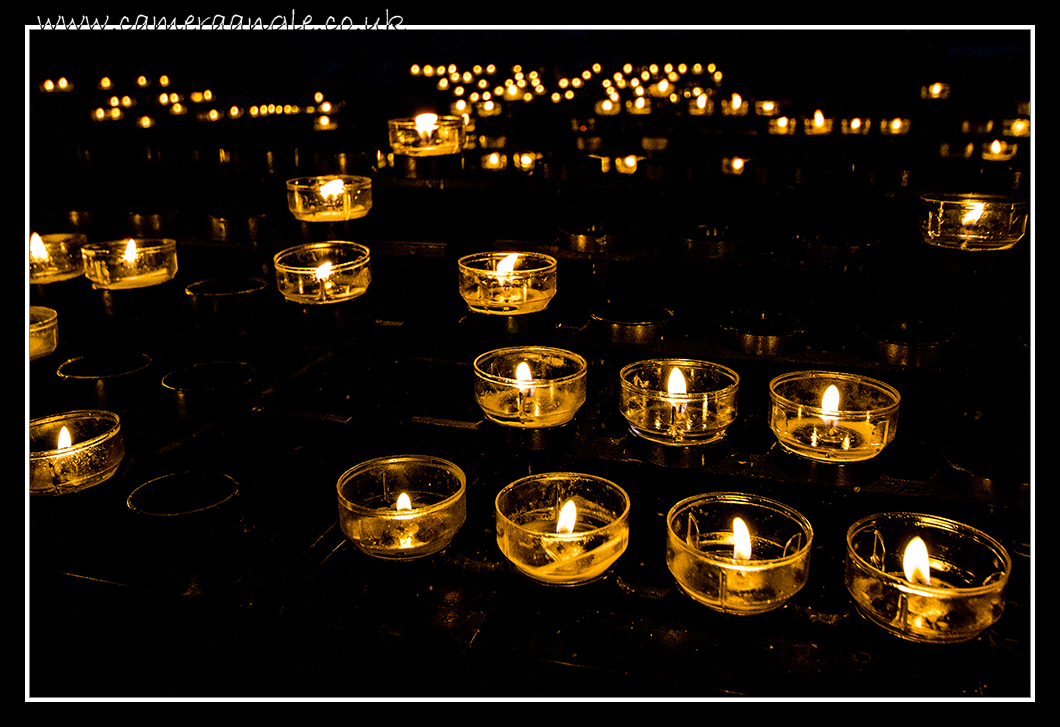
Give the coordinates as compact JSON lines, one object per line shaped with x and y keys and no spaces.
{"x":130,"y":252}
{"x":323,"y":272}
{"x":425,"y":124}
{"x":37,"y":251}
{"x":915,"y":563}
{"x":741,"y":549}
{"x":64,"y":438}
{"x":404,"y":502}
{"x":676,"y":383}
{"x":507,"y":265}
{"x":522,"y":372}
{"x":996,"y":146}
{"x":568,"y":515}
{"x":818,"y":118}
{"x":737,"y":101}
{"x":974,"y":213}
{"x":333,"y":188}
{"x":830,"y":405}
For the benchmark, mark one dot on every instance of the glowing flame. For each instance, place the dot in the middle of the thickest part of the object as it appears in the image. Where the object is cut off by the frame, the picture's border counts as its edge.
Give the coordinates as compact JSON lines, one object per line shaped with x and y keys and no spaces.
{"x":323,"y":272}
{"x":972,"y":215}
{"x":818,"y":118}
{"x":741,"y":549}
{"x":737,"y":101}
{"x":830,"y":406}
{"x":130,"y":252}
{"x":425,"y":124}
{"x":64,"y":439}
{"x":676,"y":383}
{"x":896,"y":125}
{"x":996,"y":147}
{"x":522,"y":374}
{"x":37,"y":251}
{"x":568,"y":515}
{"x":404,"y":502}
{"x":507,"y":265}
{"x":333,"y":188}
{"x":915,"y":563}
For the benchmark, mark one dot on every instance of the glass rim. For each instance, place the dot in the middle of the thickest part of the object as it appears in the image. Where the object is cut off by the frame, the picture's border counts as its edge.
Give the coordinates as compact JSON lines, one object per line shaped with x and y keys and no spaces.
{"x":226,"y":498}
{"x":576,"y":358}
{"x":300,"y":183}
{"x":817,"y":409}
{"x":109,"y":416}
{"x":973,"y":197}
{"x":143,"y":245}
{"x":364,"y":257}
{"x":561,"y":537}
{"x":939,"y":523}
{"x":550,"y":262}
{"x":46,"y":317}
{"x":738,"y":497}
{"x":131,"y":355}
{"x":387,"y":513}
{"x":448,"y":119}
{"x":691,"y":362}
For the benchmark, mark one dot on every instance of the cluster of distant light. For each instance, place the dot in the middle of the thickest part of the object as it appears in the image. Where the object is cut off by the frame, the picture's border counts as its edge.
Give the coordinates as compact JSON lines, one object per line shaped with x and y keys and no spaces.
{"x":116,"y":106}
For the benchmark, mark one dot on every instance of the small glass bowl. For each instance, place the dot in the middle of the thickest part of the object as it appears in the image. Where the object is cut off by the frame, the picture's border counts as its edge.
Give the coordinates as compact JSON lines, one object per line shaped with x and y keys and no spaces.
{"x":524,"y":283}
{"x":550,"y":392}
{"x":701,"y":551}
{"x":379,"y":522}
{"x":323,"y":272}
{"x":968,"y":573}
{"x":447,"y":135}
{"x":96,"y":451}
{"x":529,"y":530}
{"x":57,"y":258}
{"x":329,"y":198}
{"x":43,"y":331}
{"x":862,"y":424}
{"x":973,"y":221}
{"x":130,"y":263}
{"x":699,"y":416}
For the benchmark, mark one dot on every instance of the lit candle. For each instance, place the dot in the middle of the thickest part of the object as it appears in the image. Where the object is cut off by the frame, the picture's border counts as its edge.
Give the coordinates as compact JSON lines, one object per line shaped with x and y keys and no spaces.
{"x":676,"y":386}
{"x":329,"y":198}
{"x":73,"y":451}
{"x":130,"y":264}
{"x":999,"y":151}
{"x":818,"y":125}
{"x":695,"y":405}
{"x":428,"y":135}
{"x":500,"y":283}
{"x":55,"y":258}
{"x":530,"y":387}
{"x":323,"y":272}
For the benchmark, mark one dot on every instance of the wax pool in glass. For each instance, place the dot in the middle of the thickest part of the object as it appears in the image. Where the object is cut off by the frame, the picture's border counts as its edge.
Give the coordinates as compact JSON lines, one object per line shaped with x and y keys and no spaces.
{"x":130,"y":263}
{"x":54,"y":258}
{"x":402,"y":507}
{"x":507,"y":283}
{"x":833,"y":417}
{"x":73,"y":451}
{"x":678,"y":402}
{"x":972,"y":221}
{"x":329,"y":198}
{"x":530,"y":386}
{"x":562,"y":528}
{"x":946,"y":588}
{"x":323,"y":272}
{"x":427,"y":135}
{"x":738,"y":553}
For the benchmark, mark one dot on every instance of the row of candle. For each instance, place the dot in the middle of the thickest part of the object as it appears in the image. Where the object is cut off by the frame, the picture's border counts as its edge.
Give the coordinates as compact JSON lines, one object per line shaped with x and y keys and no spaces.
{"x":921,"y":577}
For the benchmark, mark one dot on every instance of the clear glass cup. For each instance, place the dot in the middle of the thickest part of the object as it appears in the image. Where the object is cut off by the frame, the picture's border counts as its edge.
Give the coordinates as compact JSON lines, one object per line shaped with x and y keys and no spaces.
{"x":130,"y":263}
{"x":530,"y":387}
{"x":972,"y":221}
{"x":95,"y":450}
{"x":320,"y":273}
{"x":507,"y":283}
{"x":678,"y":402}
{"x":329,"y":198}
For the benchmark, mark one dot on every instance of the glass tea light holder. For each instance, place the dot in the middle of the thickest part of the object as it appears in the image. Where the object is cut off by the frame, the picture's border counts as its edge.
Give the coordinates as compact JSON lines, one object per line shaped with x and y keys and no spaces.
{"x":402,"y":507}
{"x":833,"y":417}
{"x":530,"y":387}
{"x":329,"y":198}
{"x":967,"y":221}
{"x":55,"y":258}
{"x":737,"y":553}
{"x":507,"y":283}
{"x":562,"y":528}
{"x":43,"y":331}
{"x":678,"y":402}
{"x":427,"y":135}
{"x":131,"y":263}
{"x":926,"y":578}
{"x":73,"y":451}
{"x":319,"y":273}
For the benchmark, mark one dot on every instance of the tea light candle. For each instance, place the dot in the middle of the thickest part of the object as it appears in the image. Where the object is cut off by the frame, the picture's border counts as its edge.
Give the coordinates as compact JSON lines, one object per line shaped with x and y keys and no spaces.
{"x":818,"y":125}
{"x":926,"y":578}
{"x":323,"y":272}
{"x":999,"y":151}
{"x":782,"y":126}
{"x":972,"y":222}
{"x":607,"y":107}
{"x":427,"y":135}
{"x":678,"y":402}
{"x":55,"y":258}
{"x":855,"y":126}
{"x":43,"y":331}
{"x":530,"y":387}
{"x":73,"y":451}
{"x":833,"y":417}
{"x":402,"y":507}
{"x":507,"y":283}
{"x":894,"y":127}
{"x":132,"y":263}
{"x":329,"y":198}
{"x":562,"y":528}
{"x":737,"y":553}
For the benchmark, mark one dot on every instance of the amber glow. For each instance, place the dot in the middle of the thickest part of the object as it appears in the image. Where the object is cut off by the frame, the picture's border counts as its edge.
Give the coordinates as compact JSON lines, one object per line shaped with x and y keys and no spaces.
{"x":37,"y":251}
{"x":741,"y":538}
{"x":64,"y":439}
{"x":973,"y":214}
{"x":568,"y":515}
{"x":676,"y":383}
{"x":324,"y":271}
{"x":130,"y":252}
{"x":425,"y":124}
{"x":404,"y":502}
{"x":507,"y":265}
{"x":818,"y":118}
{"x":522,"y":373}
{"x":333,"y":188}
{"x":737,"y":101}
{"x":915,"y":563}
{"x":996,"y":147}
